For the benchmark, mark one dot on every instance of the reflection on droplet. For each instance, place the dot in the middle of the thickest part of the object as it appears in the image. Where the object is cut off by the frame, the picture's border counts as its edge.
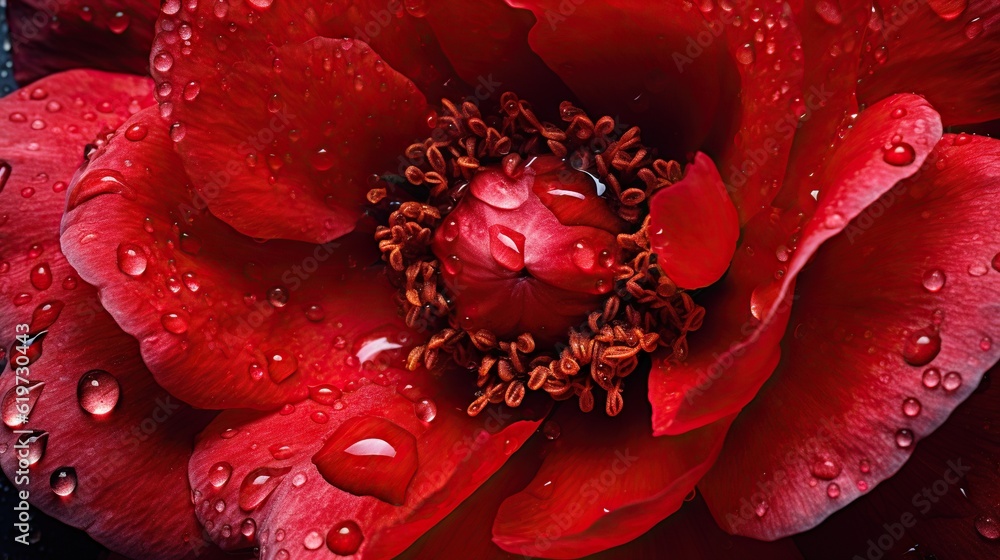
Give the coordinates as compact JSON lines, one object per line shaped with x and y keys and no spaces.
{"x":258,"y":485}
{"x":921,"y":347}
{"x":219,"y":473}
{"x":345,"y":538}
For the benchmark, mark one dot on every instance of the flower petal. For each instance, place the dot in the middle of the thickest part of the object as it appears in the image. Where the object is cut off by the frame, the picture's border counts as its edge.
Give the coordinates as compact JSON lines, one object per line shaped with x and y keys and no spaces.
{"x":694,"y":226}
{"x":115,"y":445}
{"x":943,"y":501}
{"x":223,"y":320}
{"x":280,"y":145}
{"x":618,"y":57}
{"x":604,"y":482}
{"x":487,"y":43}
{"x":929,"y":47}
{"x":736,"y":350}
{"x":366,"y":474}
{"x":48,"y":37}
{"x":905,"y":302}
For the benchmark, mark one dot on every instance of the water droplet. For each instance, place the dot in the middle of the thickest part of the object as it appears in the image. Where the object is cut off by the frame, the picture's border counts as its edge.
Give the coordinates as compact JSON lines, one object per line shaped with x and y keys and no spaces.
{"x":322,"y":159}
{"x":450,"y":230}
{"x":416,"y":8}
{"x":281,"y":452}
{"x":345,"y":538}
{"x":898,"y":112}
{"x":948,"y":9}
{"x":985,"y":344}
{"x":190,"y":281}
{"x":931,"y":378}
{"x":35,"y":441}
{"x":248,"y":528}
{"x":583,"y":255}
{"x":319,"y":417}
{"x":5,"y":170}
{"x":996,"y":262}
{"x":176,"y":323}
{"x":369,"y":456}
{"x":98,"y":392}
{"x":834,"y":220}
{"x":761,"y":508}
{"x":453,"y":265}
{"x":136,"y":132}
{"x":934,"y":280}
{"x":745,"y":54}
{"x":315,"y":313}
{"x":45,"y":315}
{"x":163,"y":62}
{"x":41,"y":276}
{"x":324,"y":394}
{"x":426,"y":410}
{"x":900,"y":154}
{"x":825,"y":468}
{"x":18,"y":403}
{"x":262,"y":4}
{"x":177,"y":131}
{"x":921,"y":347}
{"x":862,"y":485}
{"x":298,"y":480}
{"x":258,"y":486}
{"x":978,"y":269}
{"x":281,"y":365}
{"x":988,"y":526}
{"x":220,"y":506}
{"x":219,"y":473}
{"x":507,"y":247}
{"x":63,"y":481}
{"x":551,"y":430}
{"x":278,"y":296}
{"x":865,"y":466}
{"x":951,"y":381}
{"x":131,"y":259}
{"x":191,"y":90}
{"x":904,"y":438}
{"x":911,"y":407}
{"x":190,"y":243}
{"x":118,"y":23}
{"x":833,"y":490}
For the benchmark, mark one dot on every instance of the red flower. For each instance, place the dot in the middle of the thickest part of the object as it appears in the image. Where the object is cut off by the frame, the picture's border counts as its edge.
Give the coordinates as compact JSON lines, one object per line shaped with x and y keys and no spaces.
{"x":279,"y":297}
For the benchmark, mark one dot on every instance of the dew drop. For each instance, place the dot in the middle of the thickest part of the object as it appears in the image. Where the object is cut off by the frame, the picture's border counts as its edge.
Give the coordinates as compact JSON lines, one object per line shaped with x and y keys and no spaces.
{"x":313,"y":540}
{"x":904,"y":438}
{"x":41,"y":276}
{"x":63,"y":481}
{"x":921,"y":347}
{"x":324,"y":394}
{"x":911,"y":407}
{"x":131,"y":259}
{"x":34,"y":442}
{"x":985,"y":344}
{"x":163,"y":62}
{"x":900,"y":154}
{"x":219,"y":473}
{"x":425,"y":409}
{"x":951,"y":381}
{"x":988,"y":526}
{"x":978,"y":269}
{"x":262,"y":4}
{"x":865,"y":466}
{"x":281,"y":452}
{"x":898,"y":113}
{"x":176,"y":323}
{"x":190,"y":243}
{"x":745,"y":54}
{"x":136,"y":132}
{"x":315,"y":313}
{"x":5,"y":170}
{"x":248,"y":528}
{"x":345,"y":538}
{"x":98,"y":392}
{"x":322,"y":160}
{"x":277,"y":297}
{"x":583,"y":255}
{"x":507,"y":247}
{"x":995,"y":263}
{"x":761,"y":508}
{"x":934,"y":280}
{"x":281,"y":365}
{"x":551,"y":430}
{"x":825,"y":468}
{"x":931,"y":378}
{"x":833,"y":490}
{"x":16,"y":409}
{"x":450,"y":230}
{"x":258,"y":486}
{"x":369,"y":456}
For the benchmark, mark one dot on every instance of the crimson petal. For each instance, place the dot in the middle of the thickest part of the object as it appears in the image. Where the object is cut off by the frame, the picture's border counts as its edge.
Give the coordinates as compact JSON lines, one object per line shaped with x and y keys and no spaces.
{"x":929,"y":47}
{"x":48,"y":37}
{"x":736,"y":349}
{"x":694,"y":226}
{"x":363,"y":475}
{"x":604,"y":482}
{"x":280,"y":145}
{"x":112,"y":460}
{"x":223,"y":320}
{"x":905,"y":300}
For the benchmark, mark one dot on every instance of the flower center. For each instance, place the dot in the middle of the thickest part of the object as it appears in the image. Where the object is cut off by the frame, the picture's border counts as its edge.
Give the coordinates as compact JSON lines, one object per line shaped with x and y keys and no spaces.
{"x":522,"y":247}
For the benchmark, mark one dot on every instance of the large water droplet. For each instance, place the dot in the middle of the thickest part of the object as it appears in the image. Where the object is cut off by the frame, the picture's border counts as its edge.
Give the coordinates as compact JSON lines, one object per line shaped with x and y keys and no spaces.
{"x":136,"y":132}
{"x":900,"y":154}
{"x":369,"y":456}
{"x":934,"y":280}
{"x":219,"y":473}
{"x":507,"y":247}
{"x":988,"y":526}
{"x":35,"y":442}
{"x":41,"y":276}
{"x":921,"y":347}
{"x":258,"y":486}
{"x":18,"y":403}
{"x":825,"y":468}
{"x":132,"y":259}
{"x":98,"y":392}
{"x":118,"y":23}
{"x":345,"y":538}
{"x":176,"y":323}
{"x":63,"y":481}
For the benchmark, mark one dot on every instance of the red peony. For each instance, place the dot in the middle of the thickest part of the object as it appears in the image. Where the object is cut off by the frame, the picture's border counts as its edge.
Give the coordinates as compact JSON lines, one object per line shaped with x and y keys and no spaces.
{"x":545,"y":278}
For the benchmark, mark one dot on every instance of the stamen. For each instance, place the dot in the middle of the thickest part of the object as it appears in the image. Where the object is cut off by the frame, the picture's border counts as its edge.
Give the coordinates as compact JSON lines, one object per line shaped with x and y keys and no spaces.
{"x":644,"y":311}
